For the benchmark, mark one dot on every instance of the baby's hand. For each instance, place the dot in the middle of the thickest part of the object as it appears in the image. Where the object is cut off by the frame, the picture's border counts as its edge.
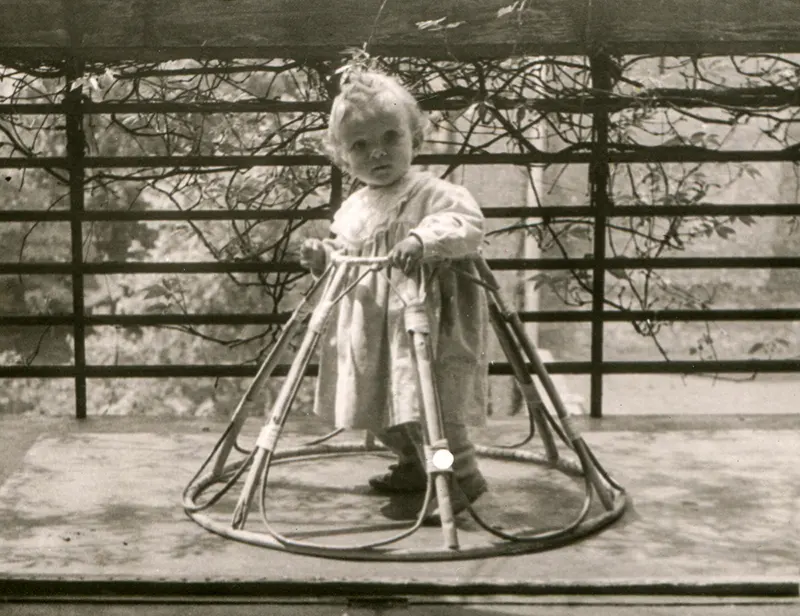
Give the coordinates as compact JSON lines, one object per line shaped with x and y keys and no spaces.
{"x":407,"y":254}
{"x":312,"y":256}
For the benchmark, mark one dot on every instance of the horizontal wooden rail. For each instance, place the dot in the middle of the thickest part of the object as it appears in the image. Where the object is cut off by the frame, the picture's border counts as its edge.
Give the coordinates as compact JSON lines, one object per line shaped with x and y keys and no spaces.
{"x":639,"y":263}
{"x":550,"y":212}
{"x":655,"y":154}
{"x":553,"y":212}
{"x":321,"y":213}
{"x":216,"y":267}
{"x":127,"y":267}
{"x":763,"y":98}
{"x":540,"y":316}
{"x":159,"y":371}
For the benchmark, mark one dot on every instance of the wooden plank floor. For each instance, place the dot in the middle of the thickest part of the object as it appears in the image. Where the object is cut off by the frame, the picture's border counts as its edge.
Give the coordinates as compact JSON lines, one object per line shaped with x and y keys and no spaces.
{"x":717,"y":501}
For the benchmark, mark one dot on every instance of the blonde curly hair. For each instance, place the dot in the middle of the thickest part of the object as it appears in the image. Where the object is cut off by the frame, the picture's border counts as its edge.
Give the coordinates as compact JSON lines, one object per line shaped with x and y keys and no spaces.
{"x":363,"y":92}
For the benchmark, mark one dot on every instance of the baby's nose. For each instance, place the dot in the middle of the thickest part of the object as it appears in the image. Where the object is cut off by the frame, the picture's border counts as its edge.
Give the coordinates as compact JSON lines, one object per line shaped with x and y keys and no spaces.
{"x":378,"y":153}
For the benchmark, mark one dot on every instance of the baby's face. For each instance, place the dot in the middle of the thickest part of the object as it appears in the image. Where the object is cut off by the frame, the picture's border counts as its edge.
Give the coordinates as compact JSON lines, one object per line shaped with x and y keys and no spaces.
{"x":378,"y":148}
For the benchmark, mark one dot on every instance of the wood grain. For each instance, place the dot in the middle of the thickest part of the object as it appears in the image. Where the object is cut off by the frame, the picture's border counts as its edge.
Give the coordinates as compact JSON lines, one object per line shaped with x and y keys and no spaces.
{"x":161,"y":29}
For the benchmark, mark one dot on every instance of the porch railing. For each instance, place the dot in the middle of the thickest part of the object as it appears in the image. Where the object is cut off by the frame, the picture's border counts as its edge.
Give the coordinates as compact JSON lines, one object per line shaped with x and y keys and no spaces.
{"x":74,"y":109}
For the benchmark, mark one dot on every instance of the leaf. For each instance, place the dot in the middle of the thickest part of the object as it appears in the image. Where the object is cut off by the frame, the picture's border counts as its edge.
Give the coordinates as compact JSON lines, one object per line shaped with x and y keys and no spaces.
{"x":539,"y":280}
{"x":618,"y":273}
{"x":724,"y":231}
{"x":758,"y":346}
{"x":697,"y":138}
{"x":154,"y":291}
{"x":753,"y":172}
{"x":675,"y":141}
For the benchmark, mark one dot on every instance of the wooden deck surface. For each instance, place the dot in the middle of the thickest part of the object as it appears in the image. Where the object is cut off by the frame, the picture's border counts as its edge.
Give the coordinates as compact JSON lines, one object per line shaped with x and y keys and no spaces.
{"x":713,"y":499}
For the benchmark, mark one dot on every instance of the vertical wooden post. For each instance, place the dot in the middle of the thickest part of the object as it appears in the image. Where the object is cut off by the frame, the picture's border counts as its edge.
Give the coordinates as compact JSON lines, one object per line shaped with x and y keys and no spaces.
{"x":599,"y":173}
{"x":76,"y":150}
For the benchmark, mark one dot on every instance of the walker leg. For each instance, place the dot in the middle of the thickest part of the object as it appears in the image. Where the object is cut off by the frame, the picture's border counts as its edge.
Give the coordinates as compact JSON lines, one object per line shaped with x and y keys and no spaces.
{"x":267,"y":440}
{"x":436,"y":438}
{"x":510,"y":341}
{"x":578,"y":444}
{"x":418,"y":327}
{"x":266,"y":369}
{"x":533,"y":400}
{"x":511,"y":319}
{"x":248,"y":490}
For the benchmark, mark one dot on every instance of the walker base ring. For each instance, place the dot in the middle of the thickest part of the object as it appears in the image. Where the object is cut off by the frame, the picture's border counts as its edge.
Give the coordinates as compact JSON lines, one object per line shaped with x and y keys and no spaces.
{"x":500,"y":547}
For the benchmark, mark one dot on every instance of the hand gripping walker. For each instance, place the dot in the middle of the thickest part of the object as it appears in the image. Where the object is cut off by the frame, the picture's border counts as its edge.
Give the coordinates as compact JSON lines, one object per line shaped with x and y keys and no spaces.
{"x":314,"y":311}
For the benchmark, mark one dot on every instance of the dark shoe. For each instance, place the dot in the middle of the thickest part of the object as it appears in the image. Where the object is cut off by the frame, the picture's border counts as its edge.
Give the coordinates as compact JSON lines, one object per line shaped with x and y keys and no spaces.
{"x":405,"y":478}
{"x":408,"y":508}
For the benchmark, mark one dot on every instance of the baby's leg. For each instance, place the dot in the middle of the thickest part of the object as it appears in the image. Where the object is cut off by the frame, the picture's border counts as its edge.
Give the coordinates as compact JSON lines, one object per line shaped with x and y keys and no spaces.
{"x":408,"y":475}
{"x":465,"y":464}
{"x":462,"y":394}
{"x":401,"y":441}
{"x":469,"y":482}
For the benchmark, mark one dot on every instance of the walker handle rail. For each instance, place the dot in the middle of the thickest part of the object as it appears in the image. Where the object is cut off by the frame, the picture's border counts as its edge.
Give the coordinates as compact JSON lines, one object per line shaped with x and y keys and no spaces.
{"x":339,"y":257}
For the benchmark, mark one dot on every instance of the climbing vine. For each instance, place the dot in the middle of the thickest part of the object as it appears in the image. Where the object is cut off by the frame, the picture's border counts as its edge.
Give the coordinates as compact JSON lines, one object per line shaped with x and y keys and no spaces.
{"x":680,"y":132}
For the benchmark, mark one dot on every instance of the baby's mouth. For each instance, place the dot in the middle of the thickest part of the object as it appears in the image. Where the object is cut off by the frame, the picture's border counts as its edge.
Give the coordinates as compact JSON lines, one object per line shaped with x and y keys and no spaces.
{"x":383,"y":167}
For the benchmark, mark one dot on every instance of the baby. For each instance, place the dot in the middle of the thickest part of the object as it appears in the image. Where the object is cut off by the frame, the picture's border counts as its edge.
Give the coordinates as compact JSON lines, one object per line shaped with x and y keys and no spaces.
{"x":367,"y":378}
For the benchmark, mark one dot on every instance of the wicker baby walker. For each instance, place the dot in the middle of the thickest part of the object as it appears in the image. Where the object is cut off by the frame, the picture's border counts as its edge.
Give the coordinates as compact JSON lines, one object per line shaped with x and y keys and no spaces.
{"x":604,"y":500}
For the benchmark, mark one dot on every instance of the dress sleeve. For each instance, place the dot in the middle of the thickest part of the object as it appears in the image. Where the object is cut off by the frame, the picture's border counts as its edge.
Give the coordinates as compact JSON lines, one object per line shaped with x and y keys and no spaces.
{"x":455,"y":224}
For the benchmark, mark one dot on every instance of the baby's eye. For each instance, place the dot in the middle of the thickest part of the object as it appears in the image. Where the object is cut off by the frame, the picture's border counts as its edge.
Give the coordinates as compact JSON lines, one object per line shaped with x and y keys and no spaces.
{"x":358,"y":145}
{"x":391,"y":136}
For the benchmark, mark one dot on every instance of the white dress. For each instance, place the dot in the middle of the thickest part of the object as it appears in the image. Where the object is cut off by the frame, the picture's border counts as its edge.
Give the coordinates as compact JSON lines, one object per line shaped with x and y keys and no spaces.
{"x":367,"y":378}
